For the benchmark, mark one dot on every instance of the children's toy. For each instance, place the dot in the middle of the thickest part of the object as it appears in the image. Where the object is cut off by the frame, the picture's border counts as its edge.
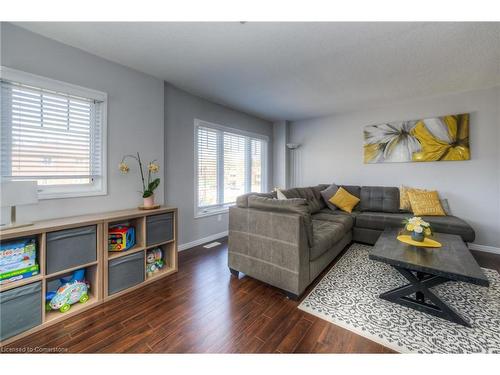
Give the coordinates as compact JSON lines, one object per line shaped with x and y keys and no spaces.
{"x":72,"y":290}
{"x":18,"y":260}
{"x":121,"y":237}
{"x":154,"y":261}
{"x":23,"y":273}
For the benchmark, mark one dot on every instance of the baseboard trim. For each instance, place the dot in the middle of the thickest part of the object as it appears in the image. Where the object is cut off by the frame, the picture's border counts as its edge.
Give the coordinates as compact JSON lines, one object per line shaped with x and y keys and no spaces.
{"x":203,"y":240}
{"x":486,"y":249}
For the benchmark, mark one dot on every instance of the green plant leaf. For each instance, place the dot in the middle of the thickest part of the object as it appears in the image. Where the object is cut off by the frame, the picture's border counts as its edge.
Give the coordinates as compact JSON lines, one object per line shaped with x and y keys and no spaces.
{"x":153,"y":185}
{"x":147,"y":193}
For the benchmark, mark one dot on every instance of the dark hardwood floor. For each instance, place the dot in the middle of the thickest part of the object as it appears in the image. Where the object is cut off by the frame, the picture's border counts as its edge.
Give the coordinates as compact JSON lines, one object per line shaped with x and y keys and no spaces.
{"x":204,"y":309}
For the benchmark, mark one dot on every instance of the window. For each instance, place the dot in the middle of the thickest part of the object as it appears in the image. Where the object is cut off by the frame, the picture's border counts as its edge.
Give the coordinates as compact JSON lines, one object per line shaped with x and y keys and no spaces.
{"x":228,"y":163}
{"x":53,"y":133}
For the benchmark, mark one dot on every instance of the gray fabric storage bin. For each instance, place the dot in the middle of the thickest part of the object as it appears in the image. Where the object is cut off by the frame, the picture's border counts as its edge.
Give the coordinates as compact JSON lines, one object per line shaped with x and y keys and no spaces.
{"x":125,"y":272}
{"x":20,"y":309}
{"x":71,"y":248}
{"x":159,"y":228}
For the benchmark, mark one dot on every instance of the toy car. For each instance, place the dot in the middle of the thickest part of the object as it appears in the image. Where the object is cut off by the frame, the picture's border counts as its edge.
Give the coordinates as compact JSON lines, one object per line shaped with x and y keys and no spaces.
{"x":68,"y":294}
{"x":72,"y":289}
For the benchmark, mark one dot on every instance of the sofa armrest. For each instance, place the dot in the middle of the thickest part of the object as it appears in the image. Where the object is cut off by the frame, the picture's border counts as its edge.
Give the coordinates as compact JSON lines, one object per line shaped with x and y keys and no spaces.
{"x":270,"y":246}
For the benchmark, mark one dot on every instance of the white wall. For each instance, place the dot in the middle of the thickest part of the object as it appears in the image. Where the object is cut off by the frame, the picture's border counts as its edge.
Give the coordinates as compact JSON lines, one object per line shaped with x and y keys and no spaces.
{"x":135,"y":115}
{"x":181,"y":109}
{"x":332,"y":151}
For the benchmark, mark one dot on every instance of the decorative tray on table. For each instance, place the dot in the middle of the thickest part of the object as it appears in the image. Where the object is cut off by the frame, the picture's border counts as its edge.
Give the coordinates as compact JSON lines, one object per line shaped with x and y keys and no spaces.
{"x":427,"y":242}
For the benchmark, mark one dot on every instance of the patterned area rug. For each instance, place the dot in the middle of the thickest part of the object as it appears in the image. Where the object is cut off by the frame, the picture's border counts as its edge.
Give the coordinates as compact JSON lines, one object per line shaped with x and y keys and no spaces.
{"x":348,"y":297}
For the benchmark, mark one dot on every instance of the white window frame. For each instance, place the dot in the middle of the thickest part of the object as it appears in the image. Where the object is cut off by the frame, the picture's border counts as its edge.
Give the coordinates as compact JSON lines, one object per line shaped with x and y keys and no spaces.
{"x":100,"y":185}
{"x":223,"y":208}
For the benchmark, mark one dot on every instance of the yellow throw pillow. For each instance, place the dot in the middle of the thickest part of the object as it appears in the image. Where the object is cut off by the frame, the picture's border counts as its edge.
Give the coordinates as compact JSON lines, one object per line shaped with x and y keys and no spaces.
{"x":344,"y":200}
{"x":404,"y":199}
{"x":425,"y":203}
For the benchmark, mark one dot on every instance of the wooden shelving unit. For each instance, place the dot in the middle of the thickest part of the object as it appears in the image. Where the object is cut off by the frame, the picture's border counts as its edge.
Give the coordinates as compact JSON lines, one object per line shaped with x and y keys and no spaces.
{"x":169,"y":248}
{"x":96,"y":271}
{"x":118,"y":254}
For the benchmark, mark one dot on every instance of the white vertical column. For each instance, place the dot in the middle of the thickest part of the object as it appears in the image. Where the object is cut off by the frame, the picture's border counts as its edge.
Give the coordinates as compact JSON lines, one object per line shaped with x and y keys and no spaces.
{"x":281,"y":165}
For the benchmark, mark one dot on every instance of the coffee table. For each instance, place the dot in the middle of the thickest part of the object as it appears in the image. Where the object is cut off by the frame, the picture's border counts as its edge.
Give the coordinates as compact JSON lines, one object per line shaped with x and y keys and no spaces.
{"x":425,"y":268}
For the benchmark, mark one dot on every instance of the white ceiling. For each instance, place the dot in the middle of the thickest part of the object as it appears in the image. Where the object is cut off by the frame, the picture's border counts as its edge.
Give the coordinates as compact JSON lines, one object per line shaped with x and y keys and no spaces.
{"x":297,"y":70}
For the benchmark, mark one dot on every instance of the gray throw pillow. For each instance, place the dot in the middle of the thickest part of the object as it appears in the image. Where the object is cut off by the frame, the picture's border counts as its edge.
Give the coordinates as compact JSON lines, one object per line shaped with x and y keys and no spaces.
{"x":446,"y":206}
{"x":328,"y":193}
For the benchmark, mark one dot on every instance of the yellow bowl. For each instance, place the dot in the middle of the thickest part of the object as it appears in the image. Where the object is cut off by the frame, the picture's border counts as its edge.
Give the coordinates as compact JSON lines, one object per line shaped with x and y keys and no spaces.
{"x":427,"y":242}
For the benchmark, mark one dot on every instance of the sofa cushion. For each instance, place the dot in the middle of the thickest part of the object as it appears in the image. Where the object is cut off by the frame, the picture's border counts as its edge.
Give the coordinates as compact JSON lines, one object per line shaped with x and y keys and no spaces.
{"x":425,"y":203}
{"x":404,"y":199}
{"x":379,"y":199}
{"x":292,"y":205}
{"x":353,"y":189}
{"x":325,"y":235}
{"x":352,"y":214}
{"x":242,"y":200}
{"x":443,"y":224}
{"x":452,"y":225}
{"x":311,"y":194}
{"x":341,"y":217}
{"x":322,"y":187}
{"x":344,"y":200}
{"x":381,"y":220}
{"x":327,"y":194}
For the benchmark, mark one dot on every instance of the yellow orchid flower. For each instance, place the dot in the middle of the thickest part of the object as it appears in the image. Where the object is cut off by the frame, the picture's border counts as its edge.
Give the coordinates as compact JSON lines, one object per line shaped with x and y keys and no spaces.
{"x":123,"y":167}
{"x":444,"y":138}
{"x":153,"y":167}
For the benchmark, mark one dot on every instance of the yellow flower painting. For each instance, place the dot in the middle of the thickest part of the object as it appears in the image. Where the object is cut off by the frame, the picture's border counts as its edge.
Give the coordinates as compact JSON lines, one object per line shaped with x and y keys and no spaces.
{"x":434,"y":139}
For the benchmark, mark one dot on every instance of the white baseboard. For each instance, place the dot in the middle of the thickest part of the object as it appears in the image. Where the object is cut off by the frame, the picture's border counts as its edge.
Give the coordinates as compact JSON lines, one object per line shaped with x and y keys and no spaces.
{"x":487,"y":249}
{"x":201,"y":241}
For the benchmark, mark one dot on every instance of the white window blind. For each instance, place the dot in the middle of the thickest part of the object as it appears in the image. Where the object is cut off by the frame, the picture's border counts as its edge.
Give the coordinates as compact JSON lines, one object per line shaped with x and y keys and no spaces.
{"x":228,"y":164}
{"x":51,"y":137}
{"x":207,"y":167}
{"x":256,"y":160}
{"x":235,"y":168}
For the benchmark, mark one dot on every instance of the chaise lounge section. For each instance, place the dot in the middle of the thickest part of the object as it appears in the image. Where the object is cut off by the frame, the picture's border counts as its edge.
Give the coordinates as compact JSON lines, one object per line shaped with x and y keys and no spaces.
{"x":288,"y":243}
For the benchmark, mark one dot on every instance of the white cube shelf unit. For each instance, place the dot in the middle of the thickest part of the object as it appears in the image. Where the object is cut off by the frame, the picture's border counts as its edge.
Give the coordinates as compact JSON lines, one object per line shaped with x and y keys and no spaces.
{"x":67,"y":244}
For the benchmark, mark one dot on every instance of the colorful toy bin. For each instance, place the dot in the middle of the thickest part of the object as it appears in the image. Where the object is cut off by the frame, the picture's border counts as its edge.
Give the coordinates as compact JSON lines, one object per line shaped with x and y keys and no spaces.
{"x":121,"y":237}
{"x":18,"y":260}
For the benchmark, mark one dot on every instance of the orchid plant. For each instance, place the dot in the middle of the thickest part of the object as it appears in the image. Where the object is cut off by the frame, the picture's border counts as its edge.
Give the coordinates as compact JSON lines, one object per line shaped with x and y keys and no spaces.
{"x":149,"y":186}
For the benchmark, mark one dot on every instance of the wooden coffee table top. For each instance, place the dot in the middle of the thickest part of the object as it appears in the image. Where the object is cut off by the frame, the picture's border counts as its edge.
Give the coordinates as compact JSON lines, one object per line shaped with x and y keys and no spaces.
{"x":453,"y":260}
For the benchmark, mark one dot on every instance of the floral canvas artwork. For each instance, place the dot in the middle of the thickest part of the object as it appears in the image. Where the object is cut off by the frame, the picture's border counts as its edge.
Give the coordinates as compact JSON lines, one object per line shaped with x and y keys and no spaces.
{"x":432,"y":139}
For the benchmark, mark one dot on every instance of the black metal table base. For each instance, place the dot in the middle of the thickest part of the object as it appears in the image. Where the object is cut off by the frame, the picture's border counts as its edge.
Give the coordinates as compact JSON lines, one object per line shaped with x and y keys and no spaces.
{"x":426,"y":300}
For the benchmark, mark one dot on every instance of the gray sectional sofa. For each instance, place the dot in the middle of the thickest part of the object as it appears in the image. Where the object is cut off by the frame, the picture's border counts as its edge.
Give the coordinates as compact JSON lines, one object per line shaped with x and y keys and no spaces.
{"x":288,"y":243}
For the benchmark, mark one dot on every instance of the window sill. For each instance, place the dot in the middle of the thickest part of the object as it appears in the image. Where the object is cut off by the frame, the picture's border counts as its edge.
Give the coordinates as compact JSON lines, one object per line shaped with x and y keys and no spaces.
{"x":200,"y":215}
{"x":49,"y":196}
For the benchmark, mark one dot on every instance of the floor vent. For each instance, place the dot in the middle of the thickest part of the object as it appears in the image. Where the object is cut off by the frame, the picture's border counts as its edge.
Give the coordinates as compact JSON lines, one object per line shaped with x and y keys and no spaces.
{"x":211,"y":244}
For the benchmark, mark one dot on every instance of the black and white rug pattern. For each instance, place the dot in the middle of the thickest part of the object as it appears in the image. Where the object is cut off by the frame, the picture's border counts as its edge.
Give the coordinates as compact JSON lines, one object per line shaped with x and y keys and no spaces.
{"x":348,"y":297}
